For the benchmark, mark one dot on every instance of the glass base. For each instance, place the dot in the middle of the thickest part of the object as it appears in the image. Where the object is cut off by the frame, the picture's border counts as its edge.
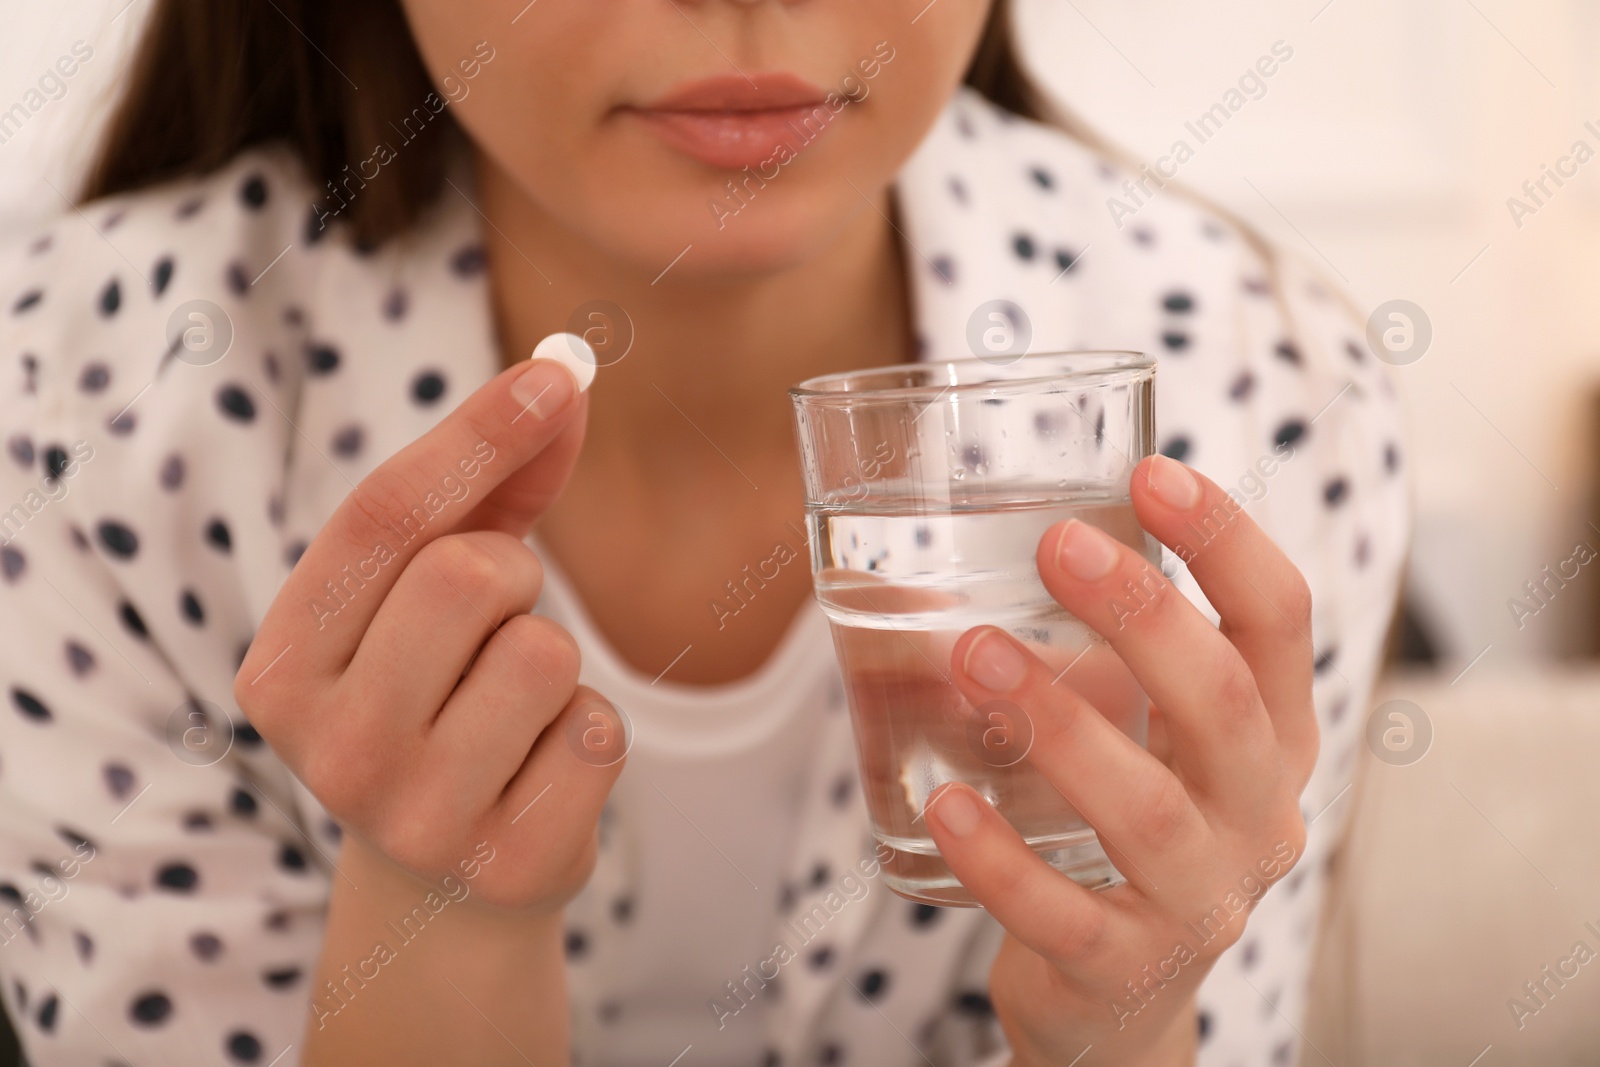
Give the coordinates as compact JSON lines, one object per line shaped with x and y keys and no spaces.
{"x":916,"y":871}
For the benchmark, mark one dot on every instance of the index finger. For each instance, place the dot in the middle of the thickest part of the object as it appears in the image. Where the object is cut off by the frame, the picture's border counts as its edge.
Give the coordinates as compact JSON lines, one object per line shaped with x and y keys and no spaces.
{"x":417,"y":495}
{"x":1236,"y":702}
{"x":1261,"y":597}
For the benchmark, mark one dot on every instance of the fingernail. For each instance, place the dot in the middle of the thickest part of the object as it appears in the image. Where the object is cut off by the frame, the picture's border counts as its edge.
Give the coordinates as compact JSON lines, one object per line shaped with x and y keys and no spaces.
{"x":544,"y":388}
{"x":1172,"y":484}
{"x":958,"y":812}
{"x":995,"y":663}
{"x":1085,"y":552}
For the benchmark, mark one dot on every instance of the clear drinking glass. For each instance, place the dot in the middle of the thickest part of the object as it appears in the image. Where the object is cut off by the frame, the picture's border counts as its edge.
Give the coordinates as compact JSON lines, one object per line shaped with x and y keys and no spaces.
{"x":928,"y":488}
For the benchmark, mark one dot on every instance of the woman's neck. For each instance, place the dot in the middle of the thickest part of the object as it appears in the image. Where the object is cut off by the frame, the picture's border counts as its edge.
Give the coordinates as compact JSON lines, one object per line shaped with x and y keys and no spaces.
{"x":723,"y":350}
{"x":689,"y":470}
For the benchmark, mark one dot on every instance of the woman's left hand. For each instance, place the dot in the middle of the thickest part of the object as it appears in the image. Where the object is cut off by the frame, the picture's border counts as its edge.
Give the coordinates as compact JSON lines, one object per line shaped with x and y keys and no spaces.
{"x":1199,"y":837}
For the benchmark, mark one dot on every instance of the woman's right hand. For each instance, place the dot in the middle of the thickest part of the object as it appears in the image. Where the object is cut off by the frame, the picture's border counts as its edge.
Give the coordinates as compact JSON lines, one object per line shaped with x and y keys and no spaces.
{"x":401,"y":677}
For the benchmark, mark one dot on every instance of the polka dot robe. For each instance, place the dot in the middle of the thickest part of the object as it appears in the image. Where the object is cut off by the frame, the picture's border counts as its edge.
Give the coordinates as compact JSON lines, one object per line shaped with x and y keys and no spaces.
{"x":167,"y":877}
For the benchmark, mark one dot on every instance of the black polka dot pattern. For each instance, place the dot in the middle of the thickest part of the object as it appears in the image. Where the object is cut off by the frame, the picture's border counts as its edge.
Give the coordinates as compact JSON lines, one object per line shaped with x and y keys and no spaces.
{"x":283,"y":977}
{"x":218,"y":536}
{"x":844,"y":789}
{"x":243,"y":803}
{"x":348,"y":441}
{"x":20,"y":449}
{"x":427,"y":387}
{"x":30,"y":706}
{"x":236,"y":404}
{"x":178,"y":877}
{"x":117,"y":539}
{"x":94,"y":377}
{"x":206,"y":946}
{"x":161,"y":274}
{"x":873,"y":984}
{"x":395,"y":305}
{"x":974,"y":1002}
{"x":1289,"y":433}
{"x":49,"y":1008}
{"x":151,"y":1009}
{"x":254,"y":192}
{"x":74,"y":839}
{"x":244,"y":1047}
{"x":56,"y":462}
{"x":172,"y":472}
{"x":132,"y":621}
{"x":80,"y":660}
{"x":577,"y":944}
{"x":119,"y":780}
{"x":322,"y":358}
{"x":469,"y":262}
{"x":12,"y":563}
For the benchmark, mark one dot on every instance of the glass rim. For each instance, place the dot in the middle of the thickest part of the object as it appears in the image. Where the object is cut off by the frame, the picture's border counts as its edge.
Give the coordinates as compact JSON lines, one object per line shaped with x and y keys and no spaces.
{"x":1108,"y":362}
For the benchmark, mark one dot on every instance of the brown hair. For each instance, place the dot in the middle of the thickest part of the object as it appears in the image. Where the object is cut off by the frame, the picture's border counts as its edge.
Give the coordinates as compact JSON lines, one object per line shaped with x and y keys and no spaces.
{"x":209,"y":79}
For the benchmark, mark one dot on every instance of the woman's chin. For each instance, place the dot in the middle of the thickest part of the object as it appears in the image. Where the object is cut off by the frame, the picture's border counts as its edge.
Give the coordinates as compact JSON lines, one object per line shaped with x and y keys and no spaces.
{"x":686,"y":240}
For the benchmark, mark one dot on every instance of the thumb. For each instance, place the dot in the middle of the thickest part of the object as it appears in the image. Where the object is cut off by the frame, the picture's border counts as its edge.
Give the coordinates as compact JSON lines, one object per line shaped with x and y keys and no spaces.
{"x":515,"y":504}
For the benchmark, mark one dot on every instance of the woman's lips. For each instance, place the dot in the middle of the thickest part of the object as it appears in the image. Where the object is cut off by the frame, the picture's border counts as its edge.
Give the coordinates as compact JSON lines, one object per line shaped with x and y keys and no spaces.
{"x":734,"y":122}
{"x":734,"y":139}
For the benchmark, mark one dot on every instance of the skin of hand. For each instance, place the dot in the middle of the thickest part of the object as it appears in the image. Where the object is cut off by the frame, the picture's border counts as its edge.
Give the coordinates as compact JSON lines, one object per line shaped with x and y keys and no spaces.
{"x":1200,"y":835}
{"x":401,"y":677}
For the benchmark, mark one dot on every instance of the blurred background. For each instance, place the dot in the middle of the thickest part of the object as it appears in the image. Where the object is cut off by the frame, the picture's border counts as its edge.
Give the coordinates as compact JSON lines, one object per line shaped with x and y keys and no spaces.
{"x":1441,"y":152}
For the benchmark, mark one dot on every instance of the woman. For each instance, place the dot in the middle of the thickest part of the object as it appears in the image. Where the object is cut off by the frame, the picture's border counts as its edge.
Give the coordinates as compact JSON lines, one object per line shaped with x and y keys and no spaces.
{"x":270,"y":574}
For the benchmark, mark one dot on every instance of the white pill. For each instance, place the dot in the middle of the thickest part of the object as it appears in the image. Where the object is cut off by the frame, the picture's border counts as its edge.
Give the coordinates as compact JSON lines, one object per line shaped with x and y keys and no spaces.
{"x":571,"y":351}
